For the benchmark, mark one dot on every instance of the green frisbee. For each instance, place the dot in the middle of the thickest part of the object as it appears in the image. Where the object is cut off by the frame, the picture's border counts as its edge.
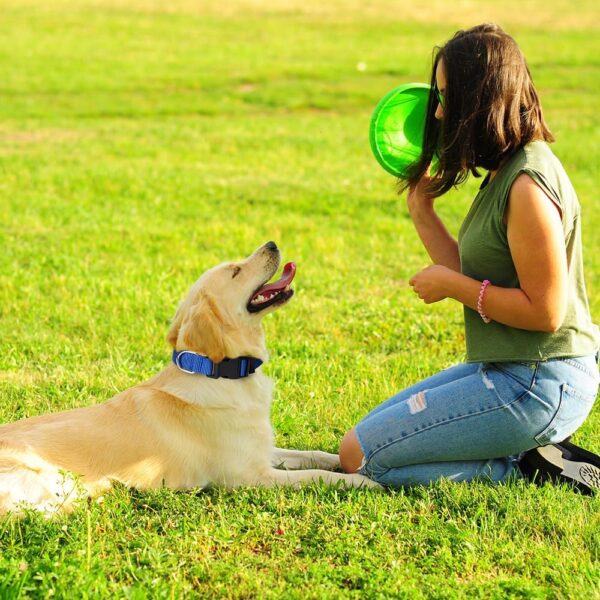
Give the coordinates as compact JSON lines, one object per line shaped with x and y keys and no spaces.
{"x":396,"y":131}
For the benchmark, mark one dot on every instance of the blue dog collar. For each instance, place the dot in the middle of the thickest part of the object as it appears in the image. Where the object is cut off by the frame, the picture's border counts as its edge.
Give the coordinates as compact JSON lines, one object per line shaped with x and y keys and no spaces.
{"x":228,"y":368}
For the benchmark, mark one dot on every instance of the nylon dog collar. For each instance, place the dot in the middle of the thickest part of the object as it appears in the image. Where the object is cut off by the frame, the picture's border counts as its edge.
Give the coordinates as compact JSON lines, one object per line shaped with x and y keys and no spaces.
{"x":228,"y":368}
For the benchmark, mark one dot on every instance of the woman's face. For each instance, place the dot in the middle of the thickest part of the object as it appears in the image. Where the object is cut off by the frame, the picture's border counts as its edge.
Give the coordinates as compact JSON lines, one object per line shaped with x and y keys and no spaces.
{"x":440,"y":78}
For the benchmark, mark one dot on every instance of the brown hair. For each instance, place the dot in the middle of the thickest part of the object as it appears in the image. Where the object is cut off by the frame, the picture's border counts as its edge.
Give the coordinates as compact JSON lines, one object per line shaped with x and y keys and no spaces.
{"x":491,"y":108}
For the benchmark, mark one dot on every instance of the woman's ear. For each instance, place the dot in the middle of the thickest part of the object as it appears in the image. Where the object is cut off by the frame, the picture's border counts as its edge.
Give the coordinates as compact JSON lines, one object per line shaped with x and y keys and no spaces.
{"x":203,"y":330}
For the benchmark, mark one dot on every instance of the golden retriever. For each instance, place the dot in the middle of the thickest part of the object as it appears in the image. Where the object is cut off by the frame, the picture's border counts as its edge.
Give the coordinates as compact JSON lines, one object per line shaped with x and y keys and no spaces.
{"x":179,"y":429}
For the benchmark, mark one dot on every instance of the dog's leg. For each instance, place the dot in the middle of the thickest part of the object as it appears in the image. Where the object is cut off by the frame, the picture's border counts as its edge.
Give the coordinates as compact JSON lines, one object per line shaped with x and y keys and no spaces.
{"x":298,"y":478}
{"x":305,"y":459}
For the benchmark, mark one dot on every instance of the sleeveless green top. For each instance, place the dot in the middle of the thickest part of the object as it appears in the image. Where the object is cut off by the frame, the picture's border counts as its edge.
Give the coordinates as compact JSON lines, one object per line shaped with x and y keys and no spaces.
{"x":485,"y":254}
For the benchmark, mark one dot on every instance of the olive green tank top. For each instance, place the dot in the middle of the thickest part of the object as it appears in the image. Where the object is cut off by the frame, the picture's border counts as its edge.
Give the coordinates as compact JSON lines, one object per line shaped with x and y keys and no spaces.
{"x":485,"y":254}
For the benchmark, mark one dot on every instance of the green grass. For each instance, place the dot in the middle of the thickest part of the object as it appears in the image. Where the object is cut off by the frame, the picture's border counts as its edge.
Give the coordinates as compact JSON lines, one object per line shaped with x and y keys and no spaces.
{"x":140,"y":146}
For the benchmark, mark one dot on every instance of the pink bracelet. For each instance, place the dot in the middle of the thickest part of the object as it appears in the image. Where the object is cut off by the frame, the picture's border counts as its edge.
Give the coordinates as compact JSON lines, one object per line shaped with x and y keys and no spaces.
{"x":483,"y":316}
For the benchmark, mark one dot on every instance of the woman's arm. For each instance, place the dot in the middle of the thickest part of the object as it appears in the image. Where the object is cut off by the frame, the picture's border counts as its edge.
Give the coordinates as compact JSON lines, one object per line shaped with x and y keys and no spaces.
{"x":537,"y":247}
{"x":440,"y":245}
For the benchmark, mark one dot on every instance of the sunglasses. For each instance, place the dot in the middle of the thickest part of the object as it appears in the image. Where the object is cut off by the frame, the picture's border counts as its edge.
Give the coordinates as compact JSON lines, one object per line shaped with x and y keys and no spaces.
{"x":438,"y":95}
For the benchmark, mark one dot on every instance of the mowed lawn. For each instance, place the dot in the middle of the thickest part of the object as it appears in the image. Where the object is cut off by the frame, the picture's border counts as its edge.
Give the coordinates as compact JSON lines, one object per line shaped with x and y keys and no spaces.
{"x":143,"y":142}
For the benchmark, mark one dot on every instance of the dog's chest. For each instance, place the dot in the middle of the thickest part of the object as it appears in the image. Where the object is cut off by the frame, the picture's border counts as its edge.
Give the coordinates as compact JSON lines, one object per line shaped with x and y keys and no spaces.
{"x":228,"y":433}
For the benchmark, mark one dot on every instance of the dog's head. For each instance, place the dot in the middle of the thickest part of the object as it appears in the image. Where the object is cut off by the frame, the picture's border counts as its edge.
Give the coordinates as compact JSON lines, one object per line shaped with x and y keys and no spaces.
{"x":220,"y":317}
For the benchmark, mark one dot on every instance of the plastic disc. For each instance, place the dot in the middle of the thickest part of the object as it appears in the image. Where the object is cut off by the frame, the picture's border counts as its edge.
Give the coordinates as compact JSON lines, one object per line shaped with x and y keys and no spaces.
{"x":396,"y":131}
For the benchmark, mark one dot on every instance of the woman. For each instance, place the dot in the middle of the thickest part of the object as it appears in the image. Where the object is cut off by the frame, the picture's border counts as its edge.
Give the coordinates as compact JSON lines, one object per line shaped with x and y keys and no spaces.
{"x":531,"y":373}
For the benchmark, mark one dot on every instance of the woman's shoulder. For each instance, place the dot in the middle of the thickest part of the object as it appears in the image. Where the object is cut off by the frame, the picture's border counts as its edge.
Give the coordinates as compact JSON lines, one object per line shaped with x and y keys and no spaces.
{"x":539,"y":154}
{"x":536,"y":155}
{"x":538,"y":161}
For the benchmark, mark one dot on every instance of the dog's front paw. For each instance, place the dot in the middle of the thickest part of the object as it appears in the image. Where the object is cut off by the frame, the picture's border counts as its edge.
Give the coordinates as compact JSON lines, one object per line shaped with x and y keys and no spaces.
{"x":327,"y":461}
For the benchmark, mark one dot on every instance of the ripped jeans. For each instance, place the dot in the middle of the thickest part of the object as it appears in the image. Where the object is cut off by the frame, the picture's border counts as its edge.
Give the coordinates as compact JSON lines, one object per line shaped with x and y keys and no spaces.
{"x":473,"y":420}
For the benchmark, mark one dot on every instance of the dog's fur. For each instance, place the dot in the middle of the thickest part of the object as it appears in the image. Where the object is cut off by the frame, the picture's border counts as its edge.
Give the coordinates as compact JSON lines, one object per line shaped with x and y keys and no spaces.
{"x":177,"y":429}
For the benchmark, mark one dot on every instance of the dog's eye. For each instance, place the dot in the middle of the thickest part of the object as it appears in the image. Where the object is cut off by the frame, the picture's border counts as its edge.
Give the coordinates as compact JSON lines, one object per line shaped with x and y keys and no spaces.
{"x":236,"y":271}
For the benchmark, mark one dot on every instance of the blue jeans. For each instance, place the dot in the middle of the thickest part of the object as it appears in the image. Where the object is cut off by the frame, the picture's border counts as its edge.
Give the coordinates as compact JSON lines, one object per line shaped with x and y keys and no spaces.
{"x":473,"y":420}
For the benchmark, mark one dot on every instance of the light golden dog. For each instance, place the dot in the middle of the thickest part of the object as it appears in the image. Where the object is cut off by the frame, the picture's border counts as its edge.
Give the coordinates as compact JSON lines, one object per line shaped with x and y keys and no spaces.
{"x":179,"y":429}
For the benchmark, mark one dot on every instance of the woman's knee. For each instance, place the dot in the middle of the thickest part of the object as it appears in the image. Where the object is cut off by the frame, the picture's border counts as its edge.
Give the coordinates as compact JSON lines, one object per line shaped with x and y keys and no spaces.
{"x":351,"y":454}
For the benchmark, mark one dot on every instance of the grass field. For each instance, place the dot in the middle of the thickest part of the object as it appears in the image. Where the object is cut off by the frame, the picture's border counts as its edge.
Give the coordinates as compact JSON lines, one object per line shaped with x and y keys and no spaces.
{"x":142,"y":144}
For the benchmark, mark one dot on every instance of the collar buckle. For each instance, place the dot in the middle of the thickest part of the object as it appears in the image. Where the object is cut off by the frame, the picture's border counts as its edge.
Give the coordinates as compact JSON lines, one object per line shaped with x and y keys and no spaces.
{"x":228,"y":368}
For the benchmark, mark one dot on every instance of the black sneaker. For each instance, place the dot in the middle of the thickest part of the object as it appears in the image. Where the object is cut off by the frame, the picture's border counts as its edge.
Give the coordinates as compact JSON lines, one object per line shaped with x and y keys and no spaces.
{"x":563,"y":462}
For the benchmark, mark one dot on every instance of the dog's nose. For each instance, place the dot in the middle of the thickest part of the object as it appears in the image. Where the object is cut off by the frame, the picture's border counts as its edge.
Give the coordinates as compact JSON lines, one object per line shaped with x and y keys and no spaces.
{"x":271,"y":246}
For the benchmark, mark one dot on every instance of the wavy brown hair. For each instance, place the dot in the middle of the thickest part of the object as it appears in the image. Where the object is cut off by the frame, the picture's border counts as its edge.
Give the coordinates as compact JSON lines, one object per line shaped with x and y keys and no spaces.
{"x":491,"y":108}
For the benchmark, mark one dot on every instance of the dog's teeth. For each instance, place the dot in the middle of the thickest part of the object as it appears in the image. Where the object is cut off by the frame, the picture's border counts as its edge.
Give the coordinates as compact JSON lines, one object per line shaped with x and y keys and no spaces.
{"x":261,"y":298}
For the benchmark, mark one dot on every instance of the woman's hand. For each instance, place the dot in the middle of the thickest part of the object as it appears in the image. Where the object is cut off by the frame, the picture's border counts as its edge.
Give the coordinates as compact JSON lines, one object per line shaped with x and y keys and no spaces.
{"x":433,"y":283}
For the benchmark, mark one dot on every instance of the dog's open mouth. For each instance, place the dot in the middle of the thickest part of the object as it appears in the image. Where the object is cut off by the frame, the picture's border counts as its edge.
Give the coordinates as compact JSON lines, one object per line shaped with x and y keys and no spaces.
{"x":274,"y":293}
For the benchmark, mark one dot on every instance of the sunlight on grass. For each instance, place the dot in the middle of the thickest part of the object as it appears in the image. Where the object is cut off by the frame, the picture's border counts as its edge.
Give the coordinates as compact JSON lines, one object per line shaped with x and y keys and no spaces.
{"x":142,"y":142}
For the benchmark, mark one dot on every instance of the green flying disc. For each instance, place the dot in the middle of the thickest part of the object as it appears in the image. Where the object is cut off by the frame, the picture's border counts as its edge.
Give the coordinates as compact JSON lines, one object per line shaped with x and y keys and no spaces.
{"x":396,"y":131}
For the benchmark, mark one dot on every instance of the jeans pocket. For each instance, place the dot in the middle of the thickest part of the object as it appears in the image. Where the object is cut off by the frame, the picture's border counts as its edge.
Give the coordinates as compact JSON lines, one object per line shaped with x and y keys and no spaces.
{"x":573,"y":408}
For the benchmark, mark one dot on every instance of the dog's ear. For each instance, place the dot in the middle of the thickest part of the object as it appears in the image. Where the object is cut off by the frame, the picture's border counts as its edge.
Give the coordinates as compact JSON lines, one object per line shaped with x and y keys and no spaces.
{"x":175,"y":326}
{"x":204,"y":330}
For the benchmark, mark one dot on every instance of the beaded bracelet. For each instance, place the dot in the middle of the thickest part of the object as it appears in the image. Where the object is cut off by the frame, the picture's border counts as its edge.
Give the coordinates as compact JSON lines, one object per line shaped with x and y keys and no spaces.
{"x":483,"y":316}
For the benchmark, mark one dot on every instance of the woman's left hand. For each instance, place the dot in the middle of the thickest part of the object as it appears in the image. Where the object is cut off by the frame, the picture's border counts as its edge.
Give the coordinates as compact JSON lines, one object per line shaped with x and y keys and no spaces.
{"x":432,"y":283}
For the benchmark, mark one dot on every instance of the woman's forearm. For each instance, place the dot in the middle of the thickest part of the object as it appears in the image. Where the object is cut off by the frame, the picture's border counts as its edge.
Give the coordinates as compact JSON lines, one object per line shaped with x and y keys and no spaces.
{"x":440,"y":245}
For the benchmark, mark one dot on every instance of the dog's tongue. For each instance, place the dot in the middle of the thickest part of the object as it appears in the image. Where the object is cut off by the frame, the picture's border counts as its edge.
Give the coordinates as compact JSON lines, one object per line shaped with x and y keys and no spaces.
{"x":289,"y":270}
